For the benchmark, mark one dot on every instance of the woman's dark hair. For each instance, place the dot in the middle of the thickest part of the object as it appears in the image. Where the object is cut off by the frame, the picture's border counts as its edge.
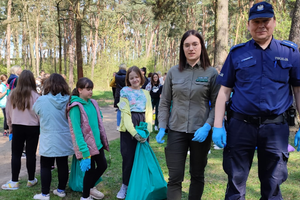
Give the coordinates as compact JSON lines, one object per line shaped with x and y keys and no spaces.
{"x":56,"y":84}
{"x":152,"y":79}
{"x":138,"y":72}
{"x":203,"y":56}
{"x":21,"y":95}
{"x":82,"y":83}
{"x":150,"y":74}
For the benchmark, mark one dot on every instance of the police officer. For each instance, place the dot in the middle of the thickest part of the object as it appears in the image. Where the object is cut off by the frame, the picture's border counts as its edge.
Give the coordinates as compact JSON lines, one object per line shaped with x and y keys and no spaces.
{"x":261,"y":73}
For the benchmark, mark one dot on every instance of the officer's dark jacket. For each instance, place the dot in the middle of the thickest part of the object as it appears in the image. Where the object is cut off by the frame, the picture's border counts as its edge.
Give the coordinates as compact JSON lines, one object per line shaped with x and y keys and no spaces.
{"x":120,"y":83}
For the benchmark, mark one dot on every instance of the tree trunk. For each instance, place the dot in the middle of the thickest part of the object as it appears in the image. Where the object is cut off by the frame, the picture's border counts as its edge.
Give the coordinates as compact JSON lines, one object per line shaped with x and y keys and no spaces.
{"x":95,"y":46}
{"x":150,"y":42}
{"x":37,"y":44}
{"x":78,"y":42}
{"x":71,"y":48}
{"x":24,"y":36}
{"x":221,"y":32}
{"x":59,"y":35}
{"x":65,"y":47}
{"x":295,"y":28}
{"x":30,"y":45}
{"x":8,"y":34}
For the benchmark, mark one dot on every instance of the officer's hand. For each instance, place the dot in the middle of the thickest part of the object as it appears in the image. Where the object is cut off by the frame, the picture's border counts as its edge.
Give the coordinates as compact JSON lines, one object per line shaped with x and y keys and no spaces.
{"x":201,"y":134}
{"x":139,"y":138}
{"x":297,"y":140}
{"x":85,"y":164}
{"x":219,"y":136}
{"x":160,"y":135}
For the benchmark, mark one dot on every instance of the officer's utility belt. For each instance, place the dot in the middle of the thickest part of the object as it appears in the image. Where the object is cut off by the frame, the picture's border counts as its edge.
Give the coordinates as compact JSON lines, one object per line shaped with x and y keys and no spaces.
{"x":259,"y":120}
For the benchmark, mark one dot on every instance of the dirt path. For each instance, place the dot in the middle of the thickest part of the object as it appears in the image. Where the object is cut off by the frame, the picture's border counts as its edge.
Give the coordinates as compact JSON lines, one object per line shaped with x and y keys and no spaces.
{"x":109,"y":116}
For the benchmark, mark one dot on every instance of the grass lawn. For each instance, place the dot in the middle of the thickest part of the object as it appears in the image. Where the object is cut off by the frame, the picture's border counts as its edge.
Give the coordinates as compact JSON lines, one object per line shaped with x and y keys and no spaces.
{"x":214,"y":176}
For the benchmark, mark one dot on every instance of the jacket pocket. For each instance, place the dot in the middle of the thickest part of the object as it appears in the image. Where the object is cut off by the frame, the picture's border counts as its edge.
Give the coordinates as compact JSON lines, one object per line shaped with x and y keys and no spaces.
{"x":245,"y":68}
{"x":281,"y":71}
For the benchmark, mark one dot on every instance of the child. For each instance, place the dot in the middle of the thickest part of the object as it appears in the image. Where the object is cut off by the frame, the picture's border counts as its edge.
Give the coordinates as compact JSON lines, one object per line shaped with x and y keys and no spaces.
{"x":135,"y":106}
{"x":24,"y":123}
{"x":88,"y":135}
{"x":55,"y":140}
{"x":155,"y":89}
{"x":3,"y":98}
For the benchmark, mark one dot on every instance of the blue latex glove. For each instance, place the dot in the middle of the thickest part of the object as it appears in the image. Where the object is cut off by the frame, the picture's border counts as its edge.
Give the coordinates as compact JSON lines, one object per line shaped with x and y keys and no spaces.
{"x":202,"y":133}
{"x":10,"y":136}
{"x":85,"y":164}
{"x":161,"y":133}
{"x":219,"y":136}
{"x":297,"y":140}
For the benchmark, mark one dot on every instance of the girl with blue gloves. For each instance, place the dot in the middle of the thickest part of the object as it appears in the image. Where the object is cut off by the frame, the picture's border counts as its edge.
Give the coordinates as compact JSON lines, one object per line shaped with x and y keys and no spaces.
{"x":88,"y":136}
{"x":189,"y":86}
{"x":55,"y":139}
{"x":135,"y":105}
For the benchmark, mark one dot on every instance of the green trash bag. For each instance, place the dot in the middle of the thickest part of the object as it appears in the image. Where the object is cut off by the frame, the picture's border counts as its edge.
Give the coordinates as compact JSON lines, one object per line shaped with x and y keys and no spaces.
{"x":76,"y":176}
{"x":146,"y":180}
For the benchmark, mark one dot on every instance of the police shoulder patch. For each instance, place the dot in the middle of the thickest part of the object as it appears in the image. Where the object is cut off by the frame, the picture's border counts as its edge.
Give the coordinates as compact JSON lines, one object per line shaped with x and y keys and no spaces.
{"x":237,"y":46}
{"x":289,"y":44}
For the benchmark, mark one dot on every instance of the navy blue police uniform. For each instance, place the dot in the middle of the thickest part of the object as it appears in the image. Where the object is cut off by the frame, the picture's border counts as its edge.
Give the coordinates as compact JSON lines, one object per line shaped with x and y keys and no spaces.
{"x":261,"y":80}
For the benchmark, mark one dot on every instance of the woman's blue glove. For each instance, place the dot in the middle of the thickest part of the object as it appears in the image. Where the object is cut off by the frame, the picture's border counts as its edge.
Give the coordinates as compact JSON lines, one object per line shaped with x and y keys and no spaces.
{"x":10,"y":136}
{"x":85,"y":164}
{"x":219,"y":136}
{"x":160,"y":135}
{"x":297,"y":140}
{"x":202,"y":133}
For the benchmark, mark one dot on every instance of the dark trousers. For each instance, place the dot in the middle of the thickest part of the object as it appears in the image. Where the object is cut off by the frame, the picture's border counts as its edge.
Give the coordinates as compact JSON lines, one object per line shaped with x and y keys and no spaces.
{"x":5,"y":126}
{"x":176,"y":151}
{"x":46,"y":176}
{"x":21,"y":134}
{"x":92,"y":176}
{"x":155,"y":104}
{"x":128,"y":146}
{"x":271,"y":141}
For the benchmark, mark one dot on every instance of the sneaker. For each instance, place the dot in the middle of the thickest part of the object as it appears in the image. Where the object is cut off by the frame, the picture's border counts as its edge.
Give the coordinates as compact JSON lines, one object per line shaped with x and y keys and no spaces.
{"x":60,"y":194}
{"x":42,"y":196}
{"x":23,"y":155}
{"x":89,"y":198}
{"x":32,"y":183}
{"x":96,"y":194}
{"x":10,"y":185}
{"x":155,"y":128}
{"x":122,"y":193}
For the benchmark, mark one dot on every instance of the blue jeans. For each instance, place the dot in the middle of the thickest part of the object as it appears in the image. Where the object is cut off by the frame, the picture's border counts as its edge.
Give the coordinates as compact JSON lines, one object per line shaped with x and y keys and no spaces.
{"x":118,"y":117}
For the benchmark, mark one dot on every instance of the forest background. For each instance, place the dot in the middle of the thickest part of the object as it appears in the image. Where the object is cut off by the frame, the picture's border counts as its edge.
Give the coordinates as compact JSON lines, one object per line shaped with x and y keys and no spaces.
{"x":92,"y":37}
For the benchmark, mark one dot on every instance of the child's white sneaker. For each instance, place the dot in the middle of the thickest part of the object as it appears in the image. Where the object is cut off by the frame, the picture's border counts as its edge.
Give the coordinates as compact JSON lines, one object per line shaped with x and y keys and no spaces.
{"x":32,"y":183}
{"x":89,"y":198}
{"x":60,"y":194}
{"x":155,"y":128}
{"x":96,"y":194}
{"x":10,"y":185}
{"x":122,"y":193}
{"x":42,"y":196}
